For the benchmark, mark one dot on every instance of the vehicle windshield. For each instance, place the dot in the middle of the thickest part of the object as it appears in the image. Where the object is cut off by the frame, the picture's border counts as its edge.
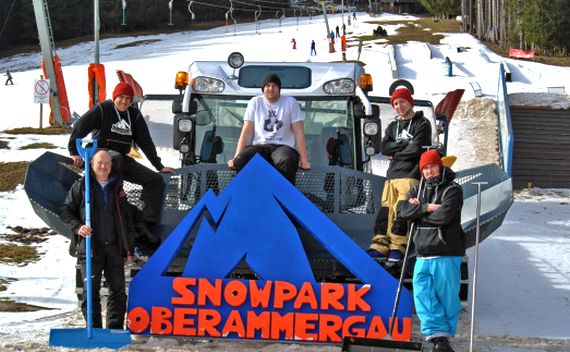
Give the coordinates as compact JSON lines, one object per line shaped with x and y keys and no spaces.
{"x":324,"y":119}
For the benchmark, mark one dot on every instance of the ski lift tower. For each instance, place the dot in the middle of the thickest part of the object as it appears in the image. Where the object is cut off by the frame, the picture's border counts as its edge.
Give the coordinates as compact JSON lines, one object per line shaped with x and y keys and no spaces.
{"x":94,"y":84}
{"x":47,"y":45}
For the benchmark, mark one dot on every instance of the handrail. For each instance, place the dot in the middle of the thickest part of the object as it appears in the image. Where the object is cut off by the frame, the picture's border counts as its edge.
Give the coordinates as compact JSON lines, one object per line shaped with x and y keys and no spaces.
{"x":506,"y":138}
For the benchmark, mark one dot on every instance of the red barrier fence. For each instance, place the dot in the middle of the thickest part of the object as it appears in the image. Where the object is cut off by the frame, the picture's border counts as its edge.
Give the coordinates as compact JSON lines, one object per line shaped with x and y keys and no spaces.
{"x":521,"y":54}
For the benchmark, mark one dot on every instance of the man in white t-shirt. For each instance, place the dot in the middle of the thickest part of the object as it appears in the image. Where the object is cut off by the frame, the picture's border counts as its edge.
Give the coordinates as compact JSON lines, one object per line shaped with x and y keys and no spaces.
{"x":277,"y":126}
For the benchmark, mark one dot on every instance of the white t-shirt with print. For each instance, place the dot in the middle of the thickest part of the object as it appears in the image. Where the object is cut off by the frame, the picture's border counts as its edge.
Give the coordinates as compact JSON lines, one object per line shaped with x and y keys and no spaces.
{"x":273,"y":120}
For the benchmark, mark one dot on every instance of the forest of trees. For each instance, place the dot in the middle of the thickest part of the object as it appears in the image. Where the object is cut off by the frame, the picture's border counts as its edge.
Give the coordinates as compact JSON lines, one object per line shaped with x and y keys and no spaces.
{"x":542,"y":25}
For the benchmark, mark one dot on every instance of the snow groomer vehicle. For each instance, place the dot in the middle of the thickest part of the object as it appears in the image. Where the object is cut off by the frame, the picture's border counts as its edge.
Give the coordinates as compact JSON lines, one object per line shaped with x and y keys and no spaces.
{"x":343,"y":129}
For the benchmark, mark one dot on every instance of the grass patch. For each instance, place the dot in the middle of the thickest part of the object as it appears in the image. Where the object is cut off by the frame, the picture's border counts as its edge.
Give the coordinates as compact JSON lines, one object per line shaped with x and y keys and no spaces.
{"x":43,"y":131}
{"x":39,"y":146}
{"x":13,"y":174}
{"x":136,"y":43}
{"x":7,"y":305}
{"x":4,"y":145}
{"x":422,"y":30}
{"x":15,"y":254}
{"x":27,"y":236}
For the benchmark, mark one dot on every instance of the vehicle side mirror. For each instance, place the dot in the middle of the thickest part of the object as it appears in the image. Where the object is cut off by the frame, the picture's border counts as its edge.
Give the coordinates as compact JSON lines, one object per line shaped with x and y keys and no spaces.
{"x":358,"y":111}
{"x":177,"y":106}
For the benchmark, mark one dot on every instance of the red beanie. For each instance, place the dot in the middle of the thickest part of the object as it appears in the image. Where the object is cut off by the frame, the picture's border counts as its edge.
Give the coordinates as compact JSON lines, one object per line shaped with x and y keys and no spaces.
{"x":123,"y":89}
{"x":430,"y":157}
{"x":401,"y":93}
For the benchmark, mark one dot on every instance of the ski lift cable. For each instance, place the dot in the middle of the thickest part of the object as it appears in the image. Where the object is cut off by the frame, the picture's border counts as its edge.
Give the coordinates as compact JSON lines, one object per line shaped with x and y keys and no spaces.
{"x":255,"y":5}
{"x":223,"y":7}
{"x":265,"y":7}
{"x":7,"y":18}
{"x":239,"y":8}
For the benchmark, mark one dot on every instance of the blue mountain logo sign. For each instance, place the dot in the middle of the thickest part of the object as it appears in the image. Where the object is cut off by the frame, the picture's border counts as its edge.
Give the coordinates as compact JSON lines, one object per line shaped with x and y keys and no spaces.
{"x":253,"y":221}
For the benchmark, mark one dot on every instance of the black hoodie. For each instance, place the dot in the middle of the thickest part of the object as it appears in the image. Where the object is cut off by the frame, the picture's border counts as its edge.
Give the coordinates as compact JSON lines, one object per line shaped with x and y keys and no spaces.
{"x":115,"y":131}
{"x":405,"y":152}
{"x":437,"y":233}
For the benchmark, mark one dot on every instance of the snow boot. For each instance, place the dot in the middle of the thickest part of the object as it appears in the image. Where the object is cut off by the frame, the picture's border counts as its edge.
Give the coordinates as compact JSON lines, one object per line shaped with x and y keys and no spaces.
{"x":441,"y":344}
{"x":395,"y":256}
{"x":375,"y":254}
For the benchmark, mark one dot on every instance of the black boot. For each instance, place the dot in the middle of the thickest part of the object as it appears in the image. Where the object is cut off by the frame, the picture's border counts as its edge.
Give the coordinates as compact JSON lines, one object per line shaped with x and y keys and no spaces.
{"x":441,"y":344}
{"x":143,"y":230}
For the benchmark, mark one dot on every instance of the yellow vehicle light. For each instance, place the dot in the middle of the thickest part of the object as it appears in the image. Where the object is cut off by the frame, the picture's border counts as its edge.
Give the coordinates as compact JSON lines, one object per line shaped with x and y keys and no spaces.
{"x":365,"y":82}
{"x":182,"y":79}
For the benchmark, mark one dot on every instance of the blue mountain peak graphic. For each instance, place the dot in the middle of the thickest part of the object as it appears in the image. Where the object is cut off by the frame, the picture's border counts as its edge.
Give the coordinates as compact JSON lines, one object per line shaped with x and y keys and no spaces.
{"x":254,"y":219}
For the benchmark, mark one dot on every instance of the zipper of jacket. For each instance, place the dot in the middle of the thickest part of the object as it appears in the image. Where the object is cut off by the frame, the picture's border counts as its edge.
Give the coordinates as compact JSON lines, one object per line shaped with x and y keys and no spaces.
{"x":120,"y":218}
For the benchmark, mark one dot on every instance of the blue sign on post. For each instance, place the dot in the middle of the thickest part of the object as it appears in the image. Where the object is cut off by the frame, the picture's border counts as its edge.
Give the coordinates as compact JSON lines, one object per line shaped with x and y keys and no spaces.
{"x":253,"y":220}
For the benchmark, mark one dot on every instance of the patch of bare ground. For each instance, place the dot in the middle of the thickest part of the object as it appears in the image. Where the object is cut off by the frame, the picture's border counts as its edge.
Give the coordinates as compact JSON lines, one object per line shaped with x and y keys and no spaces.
{"x":13,"y":174}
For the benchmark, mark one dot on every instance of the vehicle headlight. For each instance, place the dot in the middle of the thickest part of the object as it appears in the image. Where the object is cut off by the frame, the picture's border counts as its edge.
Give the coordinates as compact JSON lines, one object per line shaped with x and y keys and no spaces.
{"x":207,"y":85}
{"x":339,"y":86}
{"x":184,"y":125}
{"x":370,"y":150}
{"x":370,"y":128}
{"x":235,"y":60}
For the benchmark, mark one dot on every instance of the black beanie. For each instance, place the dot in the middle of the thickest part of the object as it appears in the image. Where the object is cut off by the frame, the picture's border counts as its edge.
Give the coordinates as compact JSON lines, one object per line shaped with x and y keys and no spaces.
{"x":271,"y":78}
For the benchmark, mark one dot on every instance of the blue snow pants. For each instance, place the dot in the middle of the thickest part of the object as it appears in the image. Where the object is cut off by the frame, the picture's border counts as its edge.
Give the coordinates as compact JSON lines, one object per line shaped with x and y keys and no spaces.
{"x":436,"y":285}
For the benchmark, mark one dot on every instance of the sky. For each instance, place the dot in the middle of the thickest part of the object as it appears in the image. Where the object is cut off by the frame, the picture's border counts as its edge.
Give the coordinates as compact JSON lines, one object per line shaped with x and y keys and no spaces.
{"x":524,"y":267}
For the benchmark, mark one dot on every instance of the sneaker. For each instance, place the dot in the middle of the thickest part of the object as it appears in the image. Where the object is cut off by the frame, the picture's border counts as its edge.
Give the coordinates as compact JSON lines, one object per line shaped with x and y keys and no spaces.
{"x":441,"y":344}
{"x":140,"y":255}
{"x":375,"y":254}
{"x":395,"y":256}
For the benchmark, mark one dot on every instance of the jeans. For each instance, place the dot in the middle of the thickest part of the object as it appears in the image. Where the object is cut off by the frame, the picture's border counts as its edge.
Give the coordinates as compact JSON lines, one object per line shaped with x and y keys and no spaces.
{"x":284,"y":158}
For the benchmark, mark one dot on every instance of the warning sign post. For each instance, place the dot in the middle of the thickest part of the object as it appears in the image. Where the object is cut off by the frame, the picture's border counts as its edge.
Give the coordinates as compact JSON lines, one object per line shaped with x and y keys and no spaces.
{"x":41,"y":94}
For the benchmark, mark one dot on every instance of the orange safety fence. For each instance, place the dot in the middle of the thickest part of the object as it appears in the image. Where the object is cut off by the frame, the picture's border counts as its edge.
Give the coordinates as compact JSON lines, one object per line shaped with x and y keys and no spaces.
{"x":61,"y":92}
{"x":96,"y":72}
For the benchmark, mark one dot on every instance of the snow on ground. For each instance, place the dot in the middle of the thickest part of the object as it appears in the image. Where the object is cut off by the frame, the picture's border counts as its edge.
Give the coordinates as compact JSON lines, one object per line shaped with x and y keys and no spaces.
{"x":524,"y":267}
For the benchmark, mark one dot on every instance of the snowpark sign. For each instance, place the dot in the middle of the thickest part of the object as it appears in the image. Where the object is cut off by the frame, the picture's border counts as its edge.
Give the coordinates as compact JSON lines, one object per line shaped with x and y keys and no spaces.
{"x":254,"y":220}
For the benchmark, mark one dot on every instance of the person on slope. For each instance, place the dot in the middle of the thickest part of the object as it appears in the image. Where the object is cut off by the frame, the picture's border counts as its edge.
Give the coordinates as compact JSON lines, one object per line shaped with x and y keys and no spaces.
{"x":403,"y":143}
{"x":439,"y":242}
{"x":119,"y":125}
{"x":277,"y":126}
{"x":112,"y":232}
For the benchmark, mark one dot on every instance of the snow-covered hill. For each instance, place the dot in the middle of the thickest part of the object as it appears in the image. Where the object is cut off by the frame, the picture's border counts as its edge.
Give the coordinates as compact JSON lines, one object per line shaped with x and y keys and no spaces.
{"x":524,"y":267}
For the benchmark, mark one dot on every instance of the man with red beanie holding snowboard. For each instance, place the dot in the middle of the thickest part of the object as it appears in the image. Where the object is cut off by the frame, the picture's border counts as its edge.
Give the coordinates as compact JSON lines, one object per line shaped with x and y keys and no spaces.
{"x":404,"y":141}
{"x":118,"y":126}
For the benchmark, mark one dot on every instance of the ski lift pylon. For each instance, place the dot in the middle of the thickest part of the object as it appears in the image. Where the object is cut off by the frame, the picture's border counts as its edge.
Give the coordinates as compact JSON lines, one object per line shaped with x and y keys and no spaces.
{"x":256,"y":16}
{"x":193,"y":16}
{"x":170,"y":12}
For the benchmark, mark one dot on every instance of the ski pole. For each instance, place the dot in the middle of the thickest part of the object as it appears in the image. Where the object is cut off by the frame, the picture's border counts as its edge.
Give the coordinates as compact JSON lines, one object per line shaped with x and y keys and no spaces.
{"x":475,"y":264}
{"x":404,"y":268}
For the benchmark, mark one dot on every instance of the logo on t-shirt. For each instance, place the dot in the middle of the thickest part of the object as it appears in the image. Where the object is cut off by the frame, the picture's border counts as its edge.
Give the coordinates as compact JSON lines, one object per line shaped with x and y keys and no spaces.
{"x":121,"y":127}
{"x":271,"y":123}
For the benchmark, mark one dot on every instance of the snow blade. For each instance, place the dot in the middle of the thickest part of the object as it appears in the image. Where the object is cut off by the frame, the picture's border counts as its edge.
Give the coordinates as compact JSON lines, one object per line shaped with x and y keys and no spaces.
{"x":100,"y":338}
{"x":447,"y":105}
{"x":88,"y":337}
{"x":361,"y":344}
